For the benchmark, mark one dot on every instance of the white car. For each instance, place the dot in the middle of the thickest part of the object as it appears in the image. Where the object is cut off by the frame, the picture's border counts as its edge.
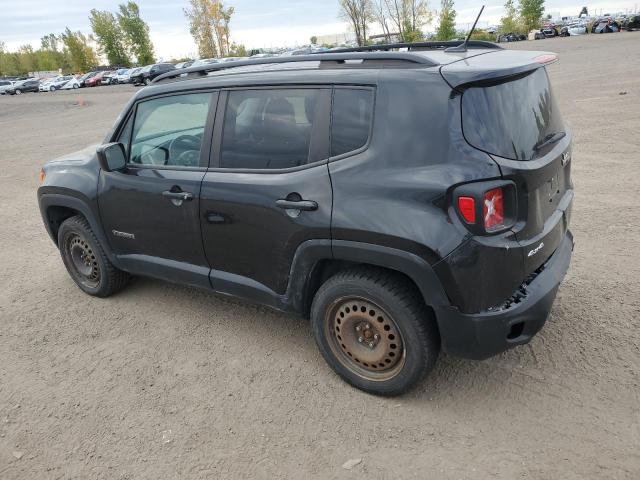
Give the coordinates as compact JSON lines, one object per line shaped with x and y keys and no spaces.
{"x":5,"y":84}
{"x":71,"y":84}
{"x":123,"y":75}
{"x":55,"y":83}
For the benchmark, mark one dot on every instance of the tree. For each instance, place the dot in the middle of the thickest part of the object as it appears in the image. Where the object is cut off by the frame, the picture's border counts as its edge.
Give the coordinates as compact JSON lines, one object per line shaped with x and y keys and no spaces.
{"x":136,"y":33}
{"x":584,"y":11}
{"x":531,"y":12}
{"x":314,"y":40}
{"x":447,"y":26}
{"x":407,"y":17}
{"x":209,"y":26}
{"x":510,"y":23}
{"x":109,"y":37}
{"x":82,"y":57}
{"x":358,"y":13}
{"x":380,"y":13}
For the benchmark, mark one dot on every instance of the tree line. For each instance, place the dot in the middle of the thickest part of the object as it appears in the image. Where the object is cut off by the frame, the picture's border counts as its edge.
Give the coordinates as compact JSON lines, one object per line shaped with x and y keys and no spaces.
{"x":404,"y":20}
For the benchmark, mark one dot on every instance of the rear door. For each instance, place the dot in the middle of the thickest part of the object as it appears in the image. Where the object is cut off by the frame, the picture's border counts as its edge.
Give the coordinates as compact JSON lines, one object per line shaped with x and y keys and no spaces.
{"x":516,"y":120}
{"x":268,"y":189}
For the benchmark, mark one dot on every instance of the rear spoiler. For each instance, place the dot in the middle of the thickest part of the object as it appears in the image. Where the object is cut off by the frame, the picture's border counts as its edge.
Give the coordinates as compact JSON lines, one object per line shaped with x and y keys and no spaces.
{"x":494,"y":67}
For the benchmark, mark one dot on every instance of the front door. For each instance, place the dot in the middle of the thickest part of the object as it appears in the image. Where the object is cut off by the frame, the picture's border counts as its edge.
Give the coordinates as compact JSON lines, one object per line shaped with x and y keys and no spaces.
{"x":150,"y":211}
{"x":268,"y":190}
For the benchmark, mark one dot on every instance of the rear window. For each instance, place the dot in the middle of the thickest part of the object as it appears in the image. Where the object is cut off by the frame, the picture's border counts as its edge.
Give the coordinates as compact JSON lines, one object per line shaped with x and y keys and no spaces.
{"x":351,"y":120}
{"x":518,"y":119}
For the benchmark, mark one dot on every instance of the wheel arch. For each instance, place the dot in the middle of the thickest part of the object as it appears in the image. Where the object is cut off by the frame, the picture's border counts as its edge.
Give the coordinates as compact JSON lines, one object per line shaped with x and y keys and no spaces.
{"x":56,"y":208}
{"x":317,"y":260}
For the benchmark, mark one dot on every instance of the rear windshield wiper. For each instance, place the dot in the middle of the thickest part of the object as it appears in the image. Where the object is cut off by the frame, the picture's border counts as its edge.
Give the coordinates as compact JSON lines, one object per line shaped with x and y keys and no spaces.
{"x":549,"y":139}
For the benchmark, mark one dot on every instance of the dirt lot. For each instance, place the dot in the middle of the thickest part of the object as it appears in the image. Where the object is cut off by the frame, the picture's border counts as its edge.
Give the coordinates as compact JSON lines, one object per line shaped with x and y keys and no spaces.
{"x":164,"y":382}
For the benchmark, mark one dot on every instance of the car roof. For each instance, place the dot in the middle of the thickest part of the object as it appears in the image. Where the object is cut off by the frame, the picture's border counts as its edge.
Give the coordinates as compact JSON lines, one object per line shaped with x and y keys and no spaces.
{"x":341,"y":68}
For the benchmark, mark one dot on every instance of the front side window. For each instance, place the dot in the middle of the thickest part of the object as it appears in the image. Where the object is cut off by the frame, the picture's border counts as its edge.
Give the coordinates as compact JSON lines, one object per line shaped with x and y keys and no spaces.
{"x":268,"y":129}
{"x":350,"y":120}
{"x":168,"y":131}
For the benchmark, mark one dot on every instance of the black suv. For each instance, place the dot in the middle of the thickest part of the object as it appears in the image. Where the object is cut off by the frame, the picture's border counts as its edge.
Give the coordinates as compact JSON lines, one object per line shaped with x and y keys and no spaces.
{"x":403,"y":200}
{"x":147,"y":74}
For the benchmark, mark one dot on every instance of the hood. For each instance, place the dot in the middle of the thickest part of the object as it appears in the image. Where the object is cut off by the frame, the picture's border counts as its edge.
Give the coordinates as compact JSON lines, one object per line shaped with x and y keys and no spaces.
{"x":83,"y":156}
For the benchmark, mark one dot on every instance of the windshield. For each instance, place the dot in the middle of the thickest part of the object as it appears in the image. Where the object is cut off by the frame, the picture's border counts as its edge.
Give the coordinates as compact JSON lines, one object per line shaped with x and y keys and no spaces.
{"x":517,"y":119}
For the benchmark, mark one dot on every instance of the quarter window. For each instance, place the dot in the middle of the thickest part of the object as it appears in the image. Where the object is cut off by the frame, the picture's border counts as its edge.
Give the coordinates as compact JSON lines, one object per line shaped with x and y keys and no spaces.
{"x":351,"y":120}
{"x":268,"y":129}
{"x":168,"y":131}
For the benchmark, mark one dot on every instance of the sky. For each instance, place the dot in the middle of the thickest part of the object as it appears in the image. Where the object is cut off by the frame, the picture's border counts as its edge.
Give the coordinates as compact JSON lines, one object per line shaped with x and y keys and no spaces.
{"x":256,"y":23}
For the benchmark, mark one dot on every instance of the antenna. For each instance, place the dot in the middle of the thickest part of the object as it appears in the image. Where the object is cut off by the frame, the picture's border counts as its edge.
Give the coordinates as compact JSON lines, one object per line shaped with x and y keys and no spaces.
{"x":463,"y":46}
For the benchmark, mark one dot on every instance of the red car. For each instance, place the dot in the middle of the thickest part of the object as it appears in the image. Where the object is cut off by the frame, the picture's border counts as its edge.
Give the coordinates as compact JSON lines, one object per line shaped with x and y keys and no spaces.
{"x":95,"y":80}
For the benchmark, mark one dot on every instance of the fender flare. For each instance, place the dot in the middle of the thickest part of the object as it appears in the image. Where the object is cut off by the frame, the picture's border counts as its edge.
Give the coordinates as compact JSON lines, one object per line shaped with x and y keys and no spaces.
{"x":311,"y":252}
{"x":47,"y":200}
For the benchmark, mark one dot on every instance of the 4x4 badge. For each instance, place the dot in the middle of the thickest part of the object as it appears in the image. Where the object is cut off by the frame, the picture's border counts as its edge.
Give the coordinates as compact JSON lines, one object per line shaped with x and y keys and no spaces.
{"x":566,"y":158}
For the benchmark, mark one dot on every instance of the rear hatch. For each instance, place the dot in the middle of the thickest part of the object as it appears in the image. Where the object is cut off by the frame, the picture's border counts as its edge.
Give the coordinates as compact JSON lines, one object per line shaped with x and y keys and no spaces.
{"x":509,"y":112}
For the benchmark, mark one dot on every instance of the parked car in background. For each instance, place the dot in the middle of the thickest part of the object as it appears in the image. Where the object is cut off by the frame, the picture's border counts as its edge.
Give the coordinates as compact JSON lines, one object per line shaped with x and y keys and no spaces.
{"x":23,"y":86}
{"x":186,"y":64}
{"x":55,"y":83}
{"x":511,"y":37}
{"x":605,"y":25}
{"x":123,"y":75}
{"x":205,"y":61}
{"x":550,"y":30}
{"x":148,"y":73}
{"x":95,"y":80}
{"x":632,"y":22}
{"x":72,"y":84}
{"x":109,"y":78}
{"x":87,"y":76}
{"x":4,"y":85}
{"x":573,"y":29}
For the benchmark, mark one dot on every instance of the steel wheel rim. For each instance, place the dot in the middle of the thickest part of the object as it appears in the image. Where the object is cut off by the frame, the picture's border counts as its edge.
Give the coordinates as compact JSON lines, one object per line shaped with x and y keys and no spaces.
{"x":83,"y":261}
{"x":365,"y":339}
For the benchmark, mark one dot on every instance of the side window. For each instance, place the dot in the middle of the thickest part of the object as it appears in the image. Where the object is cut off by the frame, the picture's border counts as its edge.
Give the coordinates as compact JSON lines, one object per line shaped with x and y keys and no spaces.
{"x":268,"y":129}
{"x":350,"y":120}
{"x":125,"y":133}
{"x":168,"y":131}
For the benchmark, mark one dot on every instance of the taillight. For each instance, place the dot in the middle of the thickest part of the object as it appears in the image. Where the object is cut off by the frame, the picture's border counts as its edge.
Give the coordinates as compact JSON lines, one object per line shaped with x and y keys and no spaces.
{"x":467,"y":207}
{"x":493,"y":210}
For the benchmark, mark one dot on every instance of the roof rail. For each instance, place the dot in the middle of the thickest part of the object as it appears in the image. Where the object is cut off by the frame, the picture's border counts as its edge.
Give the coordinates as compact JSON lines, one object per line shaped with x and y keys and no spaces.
{"x":420,"y":46}
{"x":337,"y":57}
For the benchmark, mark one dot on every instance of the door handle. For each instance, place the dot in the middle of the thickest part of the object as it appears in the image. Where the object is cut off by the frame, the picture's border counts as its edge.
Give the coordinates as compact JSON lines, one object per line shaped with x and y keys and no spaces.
{"x":305,"y":205}
{"x":182,"y":196}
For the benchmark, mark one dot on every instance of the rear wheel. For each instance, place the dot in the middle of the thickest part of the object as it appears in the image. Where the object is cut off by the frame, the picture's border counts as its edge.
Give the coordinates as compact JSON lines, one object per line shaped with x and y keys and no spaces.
{"x":52,"y":89}
{"x":374,"y":330}
{"x":18,"y":92}
{"x":147,"y":81}
{"x":86,"y":261}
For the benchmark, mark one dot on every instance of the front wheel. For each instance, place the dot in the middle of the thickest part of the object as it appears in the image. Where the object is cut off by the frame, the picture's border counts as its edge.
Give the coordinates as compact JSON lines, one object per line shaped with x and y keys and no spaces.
{"x":374,"y":330}
{"x":147,"y":81}
{"x":75,"y":86}
{"x":18,"y":92}
{"x":86,"y":261}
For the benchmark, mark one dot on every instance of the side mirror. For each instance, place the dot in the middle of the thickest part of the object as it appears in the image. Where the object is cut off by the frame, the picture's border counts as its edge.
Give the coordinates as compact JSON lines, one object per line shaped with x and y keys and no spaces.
{"x":112,"y":157}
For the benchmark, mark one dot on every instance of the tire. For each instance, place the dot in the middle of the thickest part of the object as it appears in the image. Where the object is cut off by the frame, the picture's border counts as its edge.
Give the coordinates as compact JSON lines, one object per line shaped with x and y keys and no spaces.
{"x":147,"y":81}
{"x":388,"y":343}
{"x":52,"y":89}
{"x":86,"y":261}
{"x":75,"y":86}
{"x":18,"y":92}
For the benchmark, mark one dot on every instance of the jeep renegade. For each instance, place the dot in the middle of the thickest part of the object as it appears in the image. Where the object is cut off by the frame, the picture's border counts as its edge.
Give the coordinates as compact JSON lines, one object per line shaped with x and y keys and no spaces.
{"x":404,"y":201}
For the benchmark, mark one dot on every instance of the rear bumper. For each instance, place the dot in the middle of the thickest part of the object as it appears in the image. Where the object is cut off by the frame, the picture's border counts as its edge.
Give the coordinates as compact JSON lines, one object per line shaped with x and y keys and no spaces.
{"x":483,"y":335}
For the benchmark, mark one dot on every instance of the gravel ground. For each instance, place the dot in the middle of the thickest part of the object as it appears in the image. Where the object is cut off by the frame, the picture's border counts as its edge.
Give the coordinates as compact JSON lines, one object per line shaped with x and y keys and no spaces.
{"x":164,"y":382}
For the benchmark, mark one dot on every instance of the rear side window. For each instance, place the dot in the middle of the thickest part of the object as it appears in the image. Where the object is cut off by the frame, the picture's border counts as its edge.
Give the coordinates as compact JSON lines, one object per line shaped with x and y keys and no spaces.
{"x":351,"y":120}
{"x":268,"y":129}
{"x":518,"y":119}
